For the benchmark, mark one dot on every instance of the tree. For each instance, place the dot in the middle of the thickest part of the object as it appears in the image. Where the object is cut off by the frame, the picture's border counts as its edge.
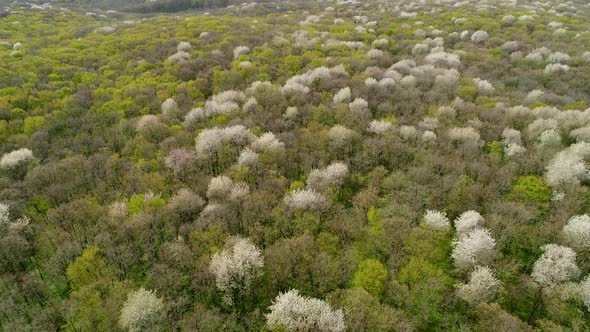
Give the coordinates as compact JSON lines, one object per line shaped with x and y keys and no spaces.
{"x":577,"y":232}
{"x":87,"y":269}
{"x":293,"y":312}
{"x":143,"y":311}
{"x":436,"y":220}
{"x":371,"y":275}
{"x":305,"y":199}
{"x":474,"y":248}
{"x":555,"y":266}
{"x":468,"y":221}
{"x":236,"y":268}
{"x":482,"y":286}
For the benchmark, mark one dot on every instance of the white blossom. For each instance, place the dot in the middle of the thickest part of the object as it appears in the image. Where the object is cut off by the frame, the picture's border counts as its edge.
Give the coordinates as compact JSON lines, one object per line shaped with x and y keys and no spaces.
{"x":293,"y":312}
{"x":568,"y":167}
{"x":359,"y":106}
{"x":183,"y":46}
{"x":269,"y":143}
{"x":209,"y":140}
{"x":142,"y":311}
{"x":584,"y":291}
{"x":342,"y":96}
{"x":169,"y":106}
{"x":248,"y":158}
{"x":479,"y":36}
{"x":468,"y":221}
{"x":4,"y":213}
{"x":555,"y":266}
{"x":474,"y":248}
{"x":16,"y":158}
{"x":436,"y":220}
{"x":305,"y":199}
{"x":577,"y":232}
{"x":483,"y":286}
{"x":236,"y":268}
{"x":241,"y":50}
{"x":333,"y":175}
{"x":379,"y":127}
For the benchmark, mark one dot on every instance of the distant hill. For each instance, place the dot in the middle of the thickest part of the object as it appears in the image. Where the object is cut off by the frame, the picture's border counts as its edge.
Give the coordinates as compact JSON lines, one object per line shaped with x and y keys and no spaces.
{"x":135,"y":5}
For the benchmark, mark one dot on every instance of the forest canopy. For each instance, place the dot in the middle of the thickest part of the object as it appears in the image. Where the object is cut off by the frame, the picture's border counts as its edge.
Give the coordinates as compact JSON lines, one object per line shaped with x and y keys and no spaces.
{"x":295,"y":166}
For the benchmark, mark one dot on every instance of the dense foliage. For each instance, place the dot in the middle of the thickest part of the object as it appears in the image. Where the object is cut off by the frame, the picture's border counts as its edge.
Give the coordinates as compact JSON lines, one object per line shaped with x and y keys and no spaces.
{"x":296,"y":166}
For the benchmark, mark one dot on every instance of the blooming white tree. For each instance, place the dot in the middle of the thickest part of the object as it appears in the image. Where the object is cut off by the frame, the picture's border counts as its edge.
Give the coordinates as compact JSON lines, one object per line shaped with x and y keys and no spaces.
{"x":219,"y":187}
{"x":169,"y":105}
{"x":468,"y":221}
{"x":333,"y":175}
{"x":480,"y":36}
{"x":436,"y":220}
{"x":4,"y":213}
{"x":339,"y":135}
{"x":293,"y":312}
{"x":305,"y":199}
{"x":16,"y":158}
{"x":568,"y":167}
{"x":584,"y":291}
{"x":359,"y":106}
{"x":511,"y":142}
{"x":143,"y":311}
{"x":577,"y":232}
{"x":379,"y":127}
{"x":474,"y":248}
{"x":236,"y":268}
{"x":248,"y":158}
{"x":269,"y":143}
{"x":240,"y":50}
{"x":183,"y":46}
{"x":555,"y":266}
{"x":483,"y":286}
{"x":210,"y":140}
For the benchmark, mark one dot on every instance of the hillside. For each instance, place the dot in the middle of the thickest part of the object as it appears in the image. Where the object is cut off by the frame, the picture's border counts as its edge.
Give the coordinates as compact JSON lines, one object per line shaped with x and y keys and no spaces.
{"x":295,"y":166}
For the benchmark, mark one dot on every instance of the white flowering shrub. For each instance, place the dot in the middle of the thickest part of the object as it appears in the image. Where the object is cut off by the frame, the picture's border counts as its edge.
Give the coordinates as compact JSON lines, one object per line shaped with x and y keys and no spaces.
{"x":331,"y":176}
{"x":359,"y":106}
{"x":16,"y":159}
{"x":180,"y":56}
{"x":343,"y":96}
{"x":468,"y":221}
{"x":291,"y":113}
{"x":379,"y":127}
{"x":436,"y":220}
{"x":241,"y":50}
{"x":293,"y":312}
{"x":558,"y":57}
{"x":340,"y":135}
{"x":474,"y":248}
{"x":210,"y":140}
{"x":380,"y":43}
{"x":268,"y":143}
{"x":568,"y":167}
{"x":483,"y":286}
{"x":146,"y":121}
{"x":555,"y":266}
{"x":236,"y":268}
{"x":375,"y":53}
{"x":183,"y":46}
{"x":511,"y":142}
{"x":408,"y":132}
{"x":480,"y":36}
{"x":468,"y":136}
{"x":305,"y":199}
{"x":169,"y":106}
{"x":553,"y":68}
{"x":143,"y":311}
{"x":584,"y":291}
{"x":484,"y":88}
{"x":577,"y":232}
{"x":219,"y":187}
{"x":248,"y":158}
{"x":4,"y":213}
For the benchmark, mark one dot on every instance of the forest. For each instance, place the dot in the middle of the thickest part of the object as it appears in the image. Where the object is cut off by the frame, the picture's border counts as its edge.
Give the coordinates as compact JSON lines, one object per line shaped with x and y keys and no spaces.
{"x":321,"y":165}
